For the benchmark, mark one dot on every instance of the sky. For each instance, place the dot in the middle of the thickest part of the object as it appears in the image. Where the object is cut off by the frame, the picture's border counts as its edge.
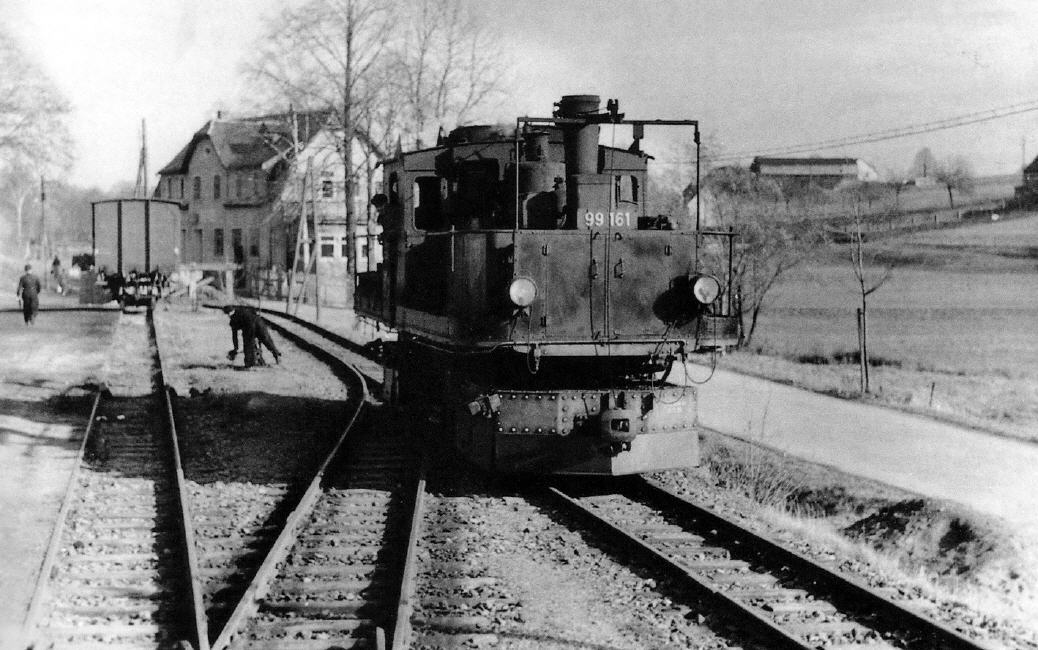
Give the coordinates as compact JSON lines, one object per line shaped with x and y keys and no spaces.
{"x":758,"y":74}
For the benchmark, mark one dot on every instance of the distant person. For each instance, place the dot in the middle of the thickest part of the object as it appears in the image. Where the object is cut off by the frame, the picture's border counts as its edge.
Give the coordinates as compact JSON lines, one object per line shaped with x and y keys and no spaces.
{"x":28,"y":294}
{"x":55,"y":270}
{"x":253,"y":332}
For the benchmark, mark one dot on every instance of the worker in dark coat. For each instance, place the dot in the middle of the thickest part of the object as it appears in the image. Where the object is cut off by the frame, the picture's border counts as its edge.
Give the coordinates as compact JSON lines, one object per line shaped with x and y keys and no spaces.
{"x":391,"y":218}
{"x":263,"y":337}
{"x":29,"y":294}
{"x":253,"y":332}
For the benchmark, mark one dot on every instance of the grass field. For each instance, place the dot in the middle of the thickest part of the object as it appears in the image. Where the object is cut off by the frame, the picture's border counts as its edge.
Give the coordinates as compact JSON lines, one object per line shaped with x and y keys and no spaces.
{"x":953,"y":331}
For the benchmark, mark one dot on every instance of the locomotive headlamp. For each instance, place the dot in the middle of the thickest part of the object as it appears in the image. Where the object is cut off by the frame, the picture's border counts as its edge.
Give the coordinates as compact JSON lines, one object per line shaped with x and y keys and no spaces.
{"x":706,"y":289}
{"x":522,"y":291}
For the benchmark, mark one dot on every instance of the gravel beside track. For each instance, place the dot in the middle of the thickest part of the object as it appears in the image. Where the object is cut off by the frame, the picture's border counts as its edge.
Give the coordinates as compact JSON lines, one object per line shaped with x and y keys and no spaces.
{"x":776,"y":595}
{"x":252,"y":441}
{"x":118,"y":578}
{"x":340,"y":580}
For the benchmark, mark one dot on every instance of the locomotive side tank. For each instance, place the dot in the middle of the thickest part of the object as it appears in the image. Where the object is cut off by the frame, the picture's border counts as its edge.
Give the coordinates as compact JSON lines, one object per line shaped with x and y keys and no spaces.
{"x":538,"y":304}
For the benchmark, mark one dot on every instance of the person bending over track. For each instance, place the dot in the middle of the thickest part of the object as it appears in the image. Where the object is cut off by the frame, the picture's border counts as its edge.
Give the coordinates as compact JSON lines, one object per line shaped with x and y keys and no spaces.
{"x":254,"y":332}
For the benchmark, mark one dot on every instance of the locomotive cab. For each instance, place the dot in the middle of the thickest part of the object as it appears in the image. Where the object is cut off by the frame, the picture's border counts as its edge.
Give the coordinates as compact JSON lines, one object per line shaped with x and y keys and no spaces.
{"x":527,"y":279}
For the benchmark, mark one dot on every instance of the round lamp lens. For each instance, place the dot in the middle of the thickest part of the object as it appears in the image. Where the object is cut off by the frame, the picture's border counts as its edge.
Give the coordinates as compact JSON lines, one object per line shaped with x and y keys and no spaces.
{"x":522,"y":291}
{"x":706,"y":289}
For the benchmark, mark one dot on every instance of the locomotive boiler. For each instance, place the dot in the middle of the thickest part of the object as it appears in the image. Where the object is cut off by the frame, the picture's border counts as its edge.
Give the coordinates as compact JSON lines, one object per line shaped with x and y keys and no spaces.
{"x":538,"y":304}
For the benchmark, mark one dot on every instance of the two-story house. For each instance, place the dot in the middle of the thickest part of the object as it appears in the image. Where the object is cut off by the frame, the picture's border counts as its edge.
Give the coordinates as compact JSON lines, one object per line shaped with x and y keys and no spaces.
{"x":242,"y":182}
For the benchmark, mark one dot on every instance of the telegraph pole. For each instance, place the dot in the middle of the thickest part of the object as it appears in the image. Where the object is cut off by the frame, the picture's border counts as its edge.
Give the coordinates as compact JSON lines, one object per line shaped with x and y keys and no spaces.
{"x":141,"y":189}
{"x":44,"y":243}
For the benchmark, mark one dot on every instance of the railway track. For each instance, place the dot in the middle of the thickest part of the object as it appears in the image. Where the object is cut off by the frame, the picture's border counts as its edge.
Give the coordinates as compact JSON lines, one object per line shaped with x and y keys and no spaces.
{"x":132,"y":566}
{"x":334,"y":578}
{"x":119,"y":571}
{"x":786,"y":599}
{"x":336,"y":573}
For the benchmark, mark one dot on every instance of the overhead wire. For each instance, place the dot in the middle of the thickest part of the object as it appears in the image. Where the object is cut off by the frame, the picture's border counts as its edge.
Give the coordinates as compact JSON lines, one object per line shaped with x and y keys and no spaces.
{"x":891,"y":134}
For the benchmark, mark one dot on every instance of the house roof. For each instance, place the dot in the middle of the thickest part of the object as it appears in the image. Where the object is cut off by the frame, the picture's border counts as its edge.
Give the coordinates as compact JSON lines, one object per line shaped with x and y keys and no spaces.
{"x":1032,"y":168}
{"x":249,"y":142}
{"x":762,"y":160}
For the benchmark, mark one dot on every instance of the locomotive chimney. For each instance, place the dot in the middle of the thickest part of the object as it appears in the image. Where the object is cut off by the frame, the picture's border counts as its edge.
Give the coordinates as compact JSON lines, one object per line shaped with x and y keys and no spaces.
{"x":580,"y":141}
{"x":580,"y":144}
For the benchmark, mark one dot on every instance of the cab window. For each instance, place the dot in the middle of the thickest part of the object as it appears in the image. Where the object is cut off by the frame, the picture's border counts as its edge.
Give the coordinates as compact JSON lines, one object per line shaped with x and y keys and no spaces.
{"x":428,"y":204}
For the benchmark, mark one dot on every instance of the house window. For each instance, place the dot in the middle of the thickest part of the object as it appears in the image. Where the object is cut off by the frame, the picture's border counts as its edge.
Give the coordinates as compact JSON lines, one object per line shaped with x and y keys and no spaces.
{"x":327,"y":246}
{"x":181,"y":187}
{"x":237,"y":247}
{"x":254,"y":242}
{"x":237,"y":187}
{"x":218,"y":242}
{"x":216,"y":187}
{"x":196,"y":188}
{"x":327,"y":189}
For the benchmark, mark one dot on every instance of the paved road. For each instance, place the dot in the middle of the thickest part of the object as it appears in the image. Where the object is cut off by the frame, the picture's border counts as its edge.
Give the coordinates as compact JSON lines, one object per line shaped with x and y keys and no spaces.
{"x":991,"y":474}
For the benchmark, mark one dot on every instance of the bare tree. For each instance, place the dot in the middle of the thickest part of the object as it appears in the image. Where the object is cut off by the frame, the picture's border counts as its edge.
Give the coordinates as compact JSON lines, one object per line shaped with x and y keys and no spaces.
{"x":924,"y":164}
{"x":34,"y":136}
{"x":897,"y":181}
{"x":769,"y":243}
{"x":32,"y":111}
{"x":326,"y":55}
{"x":955,"y":173}
{"x":867,"y":285}
{"x":384,"y":68}
{"x":446,"y":64}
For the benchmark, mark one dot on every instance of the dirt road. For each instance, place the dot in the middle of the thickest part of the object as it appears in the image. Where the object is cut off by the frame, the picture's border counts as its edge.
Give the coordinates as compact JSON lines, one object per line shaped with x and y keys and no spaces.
{"x":993,"y":475}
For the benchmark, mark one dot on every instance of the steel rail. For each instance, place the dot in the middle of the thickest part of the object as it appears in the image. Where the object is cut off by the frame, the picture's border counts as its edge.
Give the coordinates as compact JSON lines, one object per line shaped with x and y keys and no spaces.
{"x":402,"y":629}
{"x":778,"y":638}
{"x":249,"y":603}
{"x":196,"y":606}
{"x":47,"y":565}
{"x":844,"y":588}
{"x":848,"y":592}
{"x":193,"y":607}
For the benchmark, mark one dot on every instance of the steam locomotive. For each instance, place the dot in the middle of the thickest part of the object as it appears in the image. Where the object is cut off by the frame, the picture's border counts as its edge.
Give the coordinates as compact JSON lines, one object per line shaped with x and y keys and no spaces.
{"x":538,"y":305}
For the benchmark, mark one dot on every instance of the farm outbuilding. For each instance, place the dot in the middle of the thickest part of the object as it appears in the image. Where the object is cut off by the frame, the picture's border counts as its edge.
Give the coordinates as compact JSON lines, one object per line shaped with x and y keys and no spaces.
{"x":823,"y":172}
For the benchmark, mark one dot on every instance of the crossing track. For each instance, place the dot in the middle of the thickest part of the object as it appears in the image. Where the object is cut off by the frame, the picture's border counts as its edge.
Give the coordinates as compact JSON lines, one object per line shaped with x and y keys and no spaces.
{"x":337,"y":572}
{"x":119,"y":571}
{"x":786,"y":599}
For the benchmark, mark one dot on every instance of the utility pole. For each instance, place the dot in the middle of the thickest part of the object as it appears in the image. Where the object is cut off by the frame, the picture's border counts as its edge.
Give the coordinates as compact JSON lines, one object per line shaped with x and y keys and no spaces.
{"x":44,"y":243}
{"x":140,"y":191}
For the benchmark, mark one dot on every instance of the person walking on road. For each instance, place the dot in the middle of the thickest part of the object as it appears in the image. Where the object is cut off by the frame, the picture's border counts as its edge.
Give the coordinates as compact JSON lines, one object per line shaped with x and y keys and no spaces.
{"x":28,"y":294}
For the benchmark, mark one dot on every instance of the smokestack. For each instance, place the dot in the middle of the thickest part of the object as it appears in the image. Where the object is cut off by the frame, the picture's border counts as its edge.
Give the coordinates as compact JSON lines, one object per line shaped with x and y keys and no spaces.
{"x":580,"y":144}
